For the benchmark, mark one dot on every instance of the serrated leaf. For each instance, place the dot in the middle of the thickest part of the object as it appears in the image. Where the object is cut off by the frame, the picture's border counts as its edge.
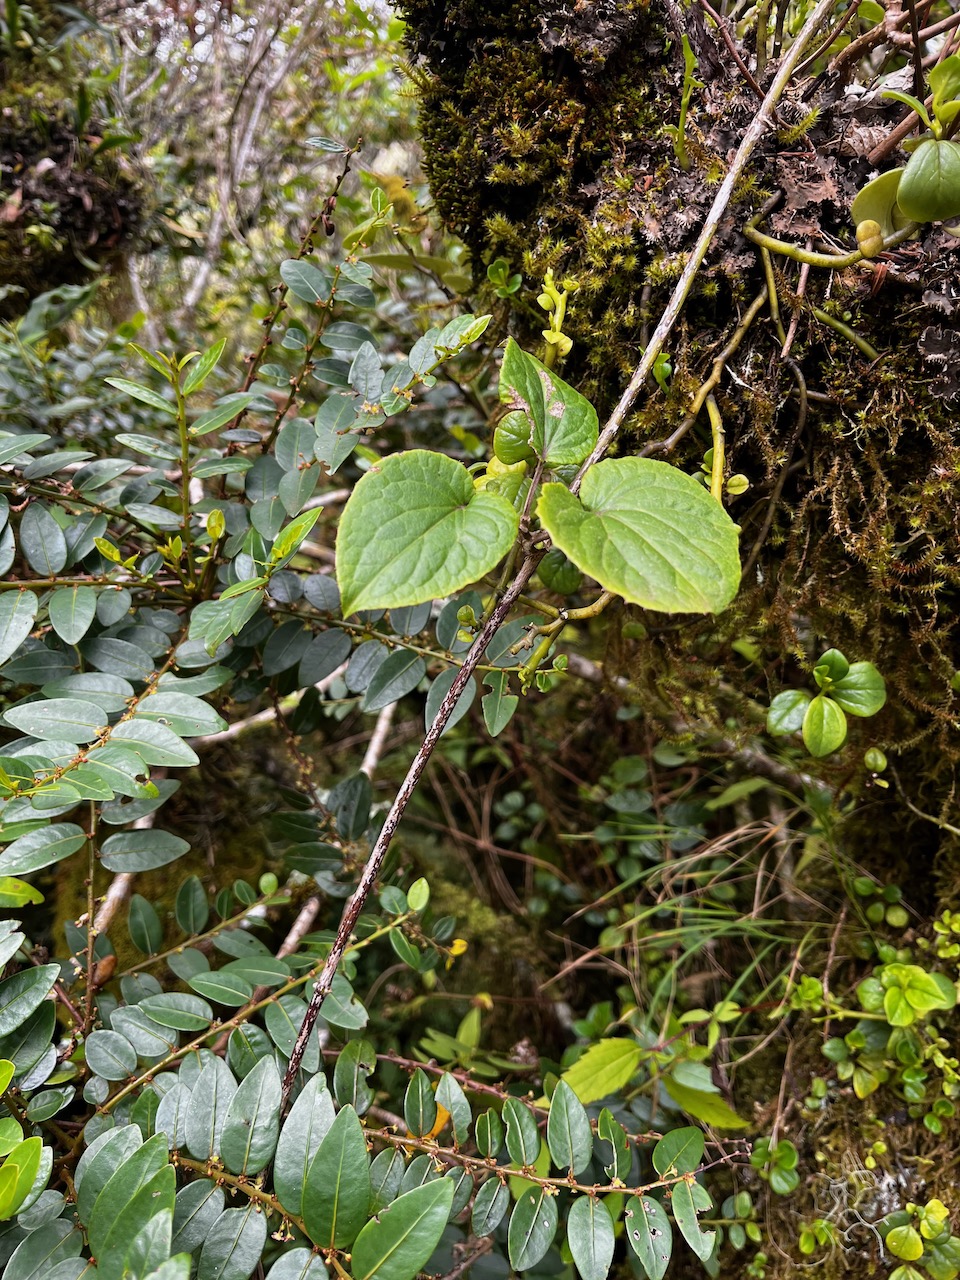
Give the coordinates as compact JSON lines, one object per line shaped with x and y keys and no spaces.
{"x":308,"y":1123}
{"x":533,"y":1224}
{"x":606,"y":1068}
{"x":569,"y":1136}
{"x":706,"y":1107}
{"x":649,"y":1234}
{"x":399,"y":1241}
{"x":252,"y":1126}
{"x":647,"y":532}
{"x":18,"y":609}
{"x":415,"y":528}
{"x":590,"y":1237}
{"x":337,"y":1187}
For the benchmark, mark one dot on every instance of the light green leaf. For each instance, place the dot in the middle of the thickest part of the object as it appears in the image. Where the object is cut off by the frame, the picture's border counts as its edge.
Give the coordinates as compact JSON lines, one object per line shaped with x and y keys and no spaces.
{"x":862,"y":691}
{"x":562,"y":423}
{"x":787,"y":711}
{"x":707,"y":1107}
{"x":824,"y":726}
{"x":929,"y":189}
{"x":18,"y":609}
{"x":569,"y":1136}
{"x":17,"y":893}
{"x":203,"y":367}
{"x":533,"y":1224}
{"x":415,"y":528}
{"x":337,"y":1188}
{"x":649,"y":1234}
{"x":399,"y":1241}
{"x":607,"y":1067}
{"x":223,"y":411}
{"x":648,"y":532}
{"x":590,"y":1237}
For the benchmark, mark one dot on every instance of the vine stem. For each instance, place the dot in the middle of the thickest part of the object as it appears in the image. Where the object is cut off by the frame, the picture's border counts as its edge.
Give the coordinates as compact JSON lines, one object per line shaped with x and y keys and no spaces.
{"x":374,"y":863}
{"x":755,"y":131}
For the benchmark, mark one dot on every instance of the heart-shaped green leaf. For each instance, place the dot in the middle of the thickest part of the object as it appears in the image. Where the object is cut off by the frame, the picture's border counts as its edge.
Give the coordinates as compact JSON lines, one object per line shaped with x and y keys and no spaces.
{"x":560,"y":424}
{"x":415,"y":528}
{"x":649,"y":533}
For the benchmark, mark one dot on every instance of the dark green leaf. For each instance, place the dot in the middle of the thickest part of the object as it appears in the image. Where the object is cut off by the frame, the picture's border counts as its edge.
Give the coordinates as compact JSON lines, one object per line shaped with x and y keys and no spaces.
{"x":649,"y":1233}
{"x":284,"y":1018}
{"x":18,"y":609}
{"x":613,"y":1133}
{"x":499,"y":705}
{"x":199,"y":1205}
{"x":298,"y":1264}
{"x":569,"y":1136}
{"x":354,"y":1066}
{"x":191,"y":908}
{"x":41,"y":848}
{"x":862,"y":691}
{"x":398,"y":1243}
{"x":386,"y":1175}
{"x":42,"y":541}
{"x":523,"y":1138}
{"x":178,"y":1010}
{"x":305,"y":281}
{"x":490,"y":1207}
{"x":489,"y":1131}
{"x":419,"y":1105}
{"x":450,"y":1096}
{"x":590,"y":1237}
{"x":686,"y":1198}
{"x":141,"y":850}
{"x":59,"y":719}
{"x":439,"y":690}
{"x":303,"y":1130}
{"x":398,"y":675}
{"x":122,"y":1187}
{"x":24,"y":992}
{"x":252,"y":1125}
{"x":154,"y":743}
{"x":110,"y":1055}
{"x":337,"y":1188}
{"x":36,"y":1257}
{"x":233,"y":1246}
{"x":210,"y":1099}
{"x":533,"y":1224}
{"x":101,"y":1160}
{"x":146,"y":931}
{"x":680,"y":1151}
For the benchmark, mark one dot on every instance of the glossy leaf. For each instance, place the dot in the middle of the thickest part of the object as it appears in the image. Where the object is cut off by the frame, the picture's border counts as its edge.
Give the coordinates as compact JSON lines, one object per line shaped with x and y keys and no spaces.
{"x":649,"y":1233}
{"x":533,"y":1224}
{"x":59,"y":719}
{"x":613,"y":1134}
{"x":686,"y":1199}
{"x":523,"y":1137}
{"x":398,"y":1242}
{"x":679,"y":1151}
{"x":929,"y":189}
{"x":105,"y":1155}
{"x":139,"y":850}
{"x":233,"y":1246}
{"x":122,"y":1187}
{"x":41,"y":848}
{"x":23,"y":992}
{"x":110,"y":1055}
{"x":72,"y":610}
{"x":451,"y":1097}
{"x":590,"y":1237}
{"x":787,"y":711}
{"x":209,"y":1103}
{"x":298,"y":1264}
{"x":252,"y":1125}
{"x":490,"y":1207}
{"x":308,"y":1123}
{"x":35,"y":1257}
{"x":434,"y":532}
{"x":569,"y":1135}
{"x":824,"y":726}
{"x":337,"y":1188}
{"x":18,"y":609}
{"x":649,"y":533}
{"x":862,"y":691}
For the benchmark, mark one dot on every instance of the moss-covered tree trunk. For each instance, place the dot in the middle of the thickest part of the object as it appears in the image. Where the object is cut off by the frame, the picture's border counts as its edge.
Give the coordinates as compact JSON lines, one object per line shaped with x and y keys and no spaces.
{"x":68,"y":203}
{"x":547,"y":134}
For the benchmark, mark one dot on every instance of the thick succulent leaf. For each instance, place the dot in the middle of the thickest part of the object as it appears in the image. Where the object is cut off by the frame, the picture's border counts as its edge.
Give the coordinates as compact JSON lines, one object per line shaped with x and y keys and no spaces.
{"x":415,"y":528}
{"x":649,"y":533}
